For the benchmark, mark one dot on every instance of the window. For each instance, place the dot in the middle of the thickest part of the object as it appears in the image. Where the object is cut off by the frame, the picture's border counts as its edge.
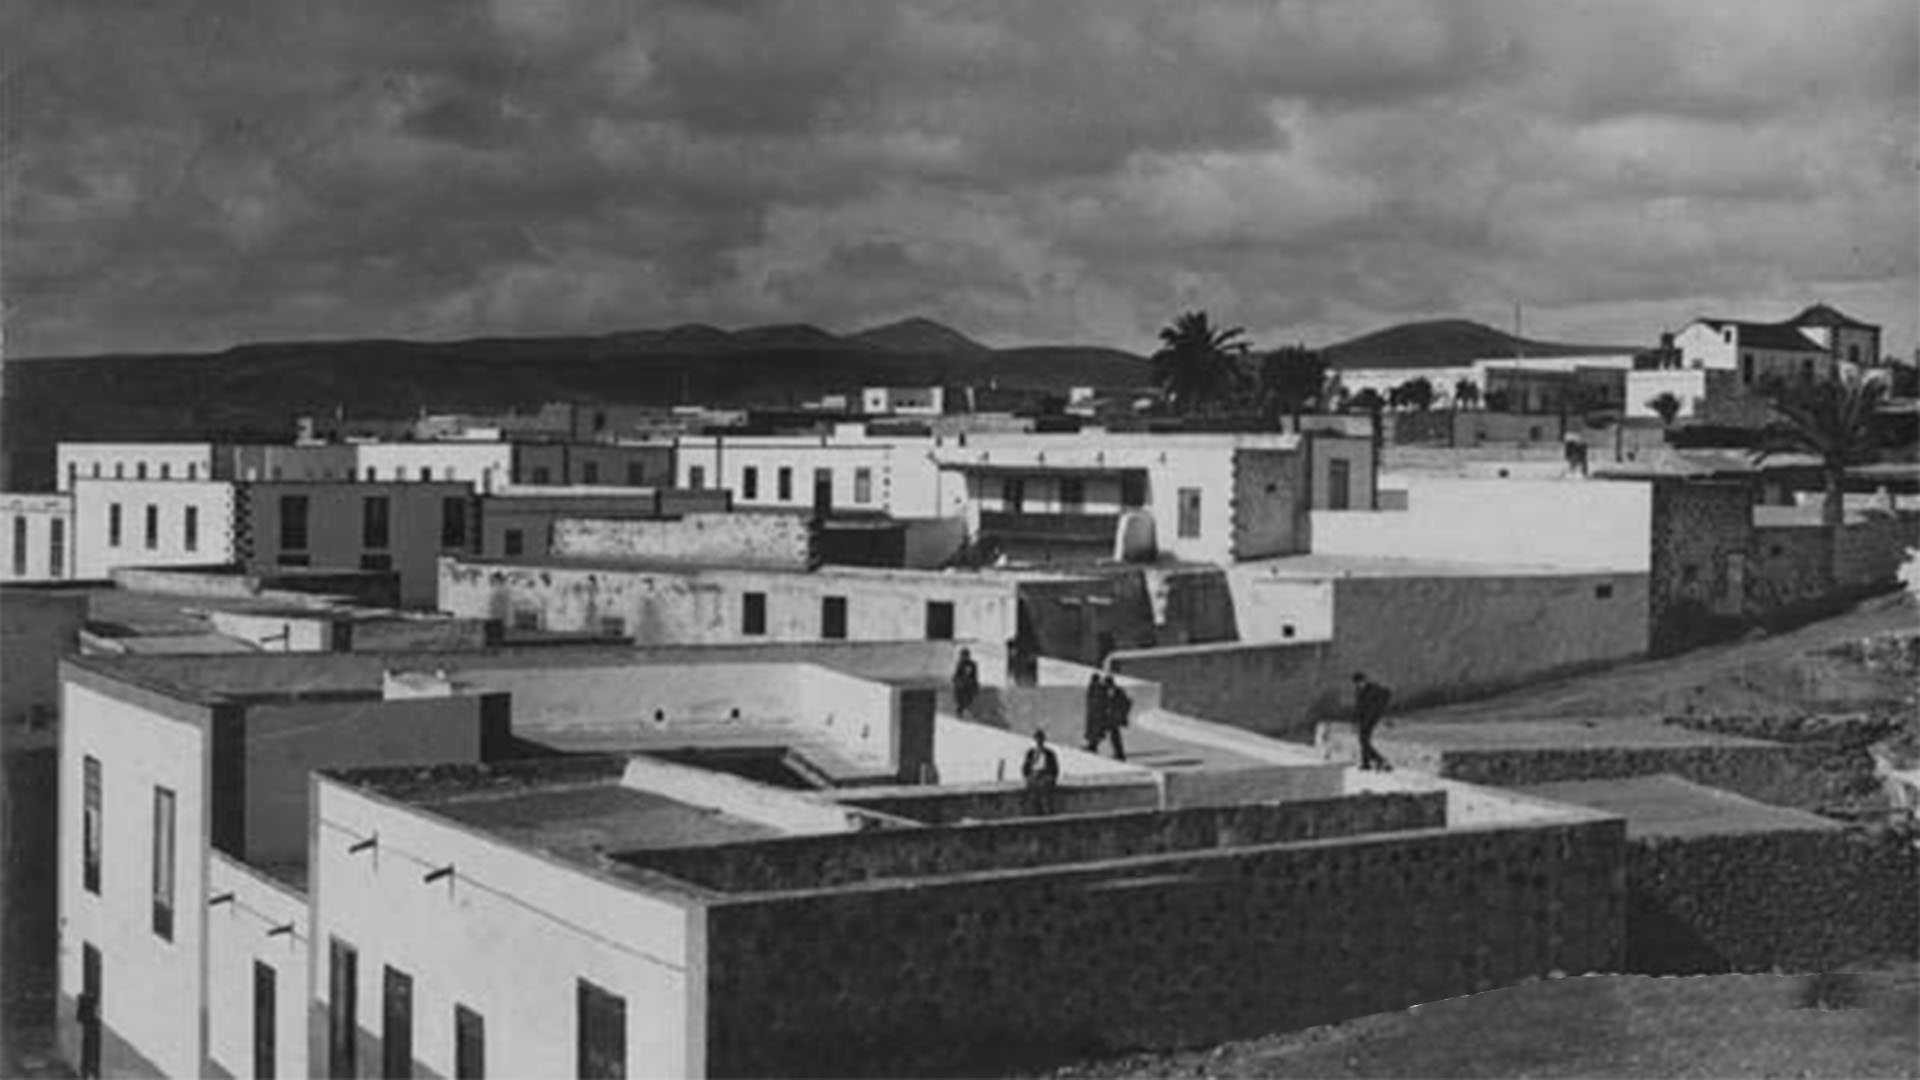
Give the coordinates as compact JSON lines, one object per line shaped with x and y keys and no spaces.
{"x":163,"y":863}
{"x":91,"y":824}
{"x":153,"y":526}
{"x":750,"y":483}
{"x":113,"y":525}
{"x":166,"y":471}
{"x":469,"y":1044}
{"x":193,"y":470}
{"x":1746,"y":368}
{"x":515,"y":542}
{"x":263,"y":1016}
{"x":190,"y":528}
{"x":1073,"y":494}
{"x":1013,"y":492}
{"x":371,"y":474}
{"x":1603,"y":592}
{"x":613,"y":626}
{"x":863,"y":486}
{"x":753,"y":613}
{"x":636,"y":474}
{"x":1340,"y":484}
{"x":343,"y":1000}
{"x":1853,"y":354}
{"x":140,"y":471}
{"x":543,"y":475}
{"x":526,"y":619}
{"x":96,"y":470}
{"x":293,"y":522}
{"x":396,"y":1025}
{"x":599,"y":421}
{"x":119,"y":470}
{"x":784,"y":480}
{"x":602,"y":1034}
{"x":19,"y":546}
{"x":376,"y":521}
{"x":833,"y":617}
{"x":56,"y":548}
{"x":376,"y":561}
{"x":697,"y":477}
{"x":1189,"y":513}
{"x":939,"y":620}
{"x":426,"y":472}
{"x":1133,"y":490}
{"x":590,"y":472}
{"x":453,"y":522}
{"x":1806,"y":371}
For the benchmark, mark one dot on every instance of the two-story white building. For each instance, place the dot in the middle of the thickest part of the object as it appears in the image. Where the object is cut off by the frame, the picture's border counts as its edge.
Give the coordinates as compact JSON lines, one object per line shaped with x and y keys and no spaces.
{"x":36,"y":536}
{"x":1759,"y":352}
{"x":846,"y":469}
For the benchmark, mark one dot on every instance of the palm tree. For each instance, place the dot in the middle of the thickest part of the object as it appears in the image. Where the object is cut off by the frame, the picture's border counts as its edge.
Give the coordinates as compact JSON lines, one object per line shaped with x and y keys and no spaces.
{"x":1197,"y":366}
{"x":1833,"y":420}
{"x":1466,"y":394}
{"x":1290,"y":380}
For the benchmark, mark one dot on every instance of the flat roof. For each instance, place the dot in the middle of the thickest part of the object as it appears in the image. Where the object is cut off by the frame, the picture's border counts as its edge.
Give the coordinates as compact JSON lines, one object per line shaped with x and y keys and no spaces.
{"x":582,"y":819}
{"x":1312,"y":567}
{"x":1666,"y":805}
{"x":1574,"y":734}
{"x":984,"y":575}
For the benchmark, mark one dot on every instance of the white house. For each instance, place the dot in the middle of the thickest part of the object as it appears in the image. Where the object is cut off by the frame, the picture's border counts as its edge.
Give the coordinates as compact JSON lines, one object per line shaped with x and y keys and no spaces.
{"x":36,"y":536}
{"x":846,"y":469}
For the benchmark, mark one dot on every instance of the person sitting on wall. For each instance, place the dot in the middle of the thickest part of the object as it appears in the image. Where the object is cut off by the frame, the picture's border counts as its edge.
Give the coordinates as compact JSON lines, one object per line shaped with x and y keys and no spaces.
{"x":1041,"y":771}
{"x":1116,"y":710}
{"x":966,"y":683}
{"x":1370,"y":700}
{"x":1096,"y":713}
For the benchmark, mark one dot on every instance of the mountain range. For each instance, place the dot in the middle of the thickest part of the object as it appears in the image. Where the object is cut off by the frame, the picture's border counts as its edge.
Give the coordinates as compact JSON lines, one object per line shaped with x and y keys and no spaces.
{"x":255,"y":391}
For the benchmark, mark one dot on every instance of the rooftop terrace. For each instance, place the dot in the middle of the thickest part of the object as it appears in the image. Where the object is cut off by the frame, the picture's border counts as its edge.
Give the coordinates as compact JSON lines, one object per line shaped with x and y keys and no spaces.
{"x":1666,"y":805}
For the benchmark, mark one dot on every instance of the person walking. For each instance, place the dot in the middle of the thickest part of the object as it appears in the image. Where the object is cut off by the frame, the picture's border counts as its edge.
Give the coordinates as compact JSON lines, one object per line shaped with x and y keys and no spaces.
{"x":1041,"y":771}
{"x":1117,"y":712}
{"x":1095,"y":729}
{"x":966,"y":683}
{"x":1370,"y":700}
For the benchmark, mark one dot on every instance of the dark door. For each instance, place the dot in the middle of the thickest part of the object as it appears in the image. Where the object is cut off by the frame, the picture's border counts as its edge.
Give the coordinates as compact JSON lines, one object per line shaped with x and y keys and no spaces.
{"x":89,"y":1011}
{"x":1339,"y":484}
{"x":396,"y":1029}
{"x":822,"y":492}
{"x":343,"y":989}
{"x":263,"y":1014}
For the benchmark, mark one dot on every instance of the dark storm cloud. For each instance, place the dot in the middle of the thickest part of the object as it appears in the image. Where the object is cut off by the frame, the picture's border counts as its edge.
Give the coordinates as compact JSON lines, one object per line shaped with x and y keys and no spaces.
{"x":190,"y":175}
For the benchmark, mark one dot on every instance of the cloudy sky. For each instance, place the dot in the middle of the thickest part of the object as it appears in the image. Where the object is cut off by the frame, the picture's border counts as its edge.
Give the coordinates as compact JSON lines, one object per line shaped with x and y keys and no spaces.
{"x":192,"y":175}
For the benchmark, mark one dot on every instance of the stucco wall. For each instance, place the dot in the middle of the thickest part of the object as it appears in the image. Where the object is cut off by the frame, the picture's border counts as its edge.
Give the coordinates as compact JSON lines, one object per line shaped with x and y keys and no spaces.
{"x":1553,"y":523}
{"x":239,"y":935}
{"x":1015,"y":970}
{"x":508,"y":935}
{"x":767,"y":541}
{"x":110,"y":461}
{"x":1271,"y":498}
{"x":1796,"y":901}
{"x":94,"y":554}
{"x":335,"y":533}
{"x":1269,"y":608}
{"x":47,"y":521}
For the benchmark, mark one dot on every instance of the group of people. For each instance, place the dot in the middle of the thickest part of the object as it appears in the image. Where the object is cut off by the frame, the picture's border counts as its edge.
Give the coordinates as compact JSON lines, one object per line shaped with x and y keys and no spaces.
{"x":1108,"y":708}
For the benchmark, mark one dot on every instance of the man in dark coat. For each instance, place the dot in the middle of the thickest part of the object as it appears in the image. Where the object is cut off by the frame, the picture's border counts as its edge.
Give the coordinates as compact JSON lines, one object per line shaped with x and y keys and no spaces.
{"x":966,"y":683}
{"x":1096,"y":713}
{"x":1370,"y":700}
{"x":1117,"y":711}
{"x":1041,"y":771}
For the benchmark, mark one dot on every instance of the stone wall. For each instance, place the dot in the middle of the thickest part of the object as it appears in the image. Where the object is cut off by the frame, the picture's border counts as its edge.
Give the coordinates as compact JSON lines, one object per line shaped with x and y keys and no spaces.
{"x":1012,"y":970}
{"x":830,"y":861}
{"x":1242,"y":685}
{"x":1699,"y":540}
{"x":757,"y":541}
{"x":1788,"y":565}
{"x":1804,"y":901}
{"x":1191,"y":606}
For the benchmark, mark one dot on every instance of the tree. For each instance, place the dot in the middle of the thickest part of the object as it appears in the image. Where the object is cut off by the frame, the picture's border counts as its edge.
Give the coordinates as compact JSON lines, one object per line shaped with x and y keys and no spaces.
{"x":1833,"y":420}
{"x":1368,"y":400}
{"x":1666,"y":406}
{"x":1290,"y":380}
{"x":1466,"y":394}
{"x":1198,"y":366}
{"x":1417,"y":393}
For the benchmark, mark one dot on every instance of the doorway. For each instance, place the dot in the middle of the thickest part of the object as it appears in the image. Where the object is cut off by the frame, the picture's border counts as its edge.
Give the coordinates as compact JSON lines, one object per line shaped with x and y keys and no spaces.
{"x":89,"y":1008}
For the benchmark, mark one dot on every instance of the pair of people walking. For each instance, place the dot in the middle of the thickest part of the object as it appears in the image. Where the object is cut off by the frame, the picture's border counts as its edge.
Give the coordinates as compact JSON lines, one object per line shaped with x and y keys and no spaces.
{"x":1108,"y":707}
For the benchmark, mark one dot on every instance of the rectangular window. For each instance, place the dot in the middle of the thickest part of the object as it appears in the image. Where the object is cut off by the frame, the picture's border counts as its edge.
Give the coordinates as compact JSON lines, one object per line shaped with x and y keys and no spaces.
{"x":56,"y":548}
{"x":613,"y":626}
{"x":1013,"y":492}
{"x":113,"y":525}
{"x":469,"y":1044}
{"x":515,"y":542}
{"x":750,"y":483}
{"x":140,"y":471}
{"x":833,"y":617}
{"x":96,"y":470}
{"x":190,"y":528}
{"x":784,"y":480}
{"x":939,"y":620}
{"x":1339,"y":483}
{"x":526,"y":619}
{"x":264,"y":1009}
{"x":396,"y":1026}
{"x":862,"y":486}
{"x":163,"y":863}
{"x":1133,"y":490}
{"x":153,"y":526}
{"x":602,"y":1034}
{"x":119,"y":470}
{"x":1073,"y":494}
{"x":343,"y":1001}
{"x":1189,"y":513}
{"x":19,"y":546}
{"x":293,"y":523}
{"x":753,"y":613}
{"x":453,"y":523}
{"x":293,"y":559}
{"x":193,"y":470}
{"x":589,"y":472}
{"x":371,"y":474}
{"x":166,"y":471}
{"x":92,"y":825}
{"x":697,"y":477}
{"x":376,"y":521}
{"x":636,"y":474}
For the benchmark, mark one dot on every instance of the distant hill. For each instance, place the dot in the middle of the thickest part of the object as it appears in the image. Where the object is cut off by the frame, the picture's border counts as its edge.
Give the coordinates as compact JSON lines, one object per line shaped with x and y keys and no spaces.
{"x":1444,"y":343}
{"x":918,"y":335}
{"x":255,"y":392}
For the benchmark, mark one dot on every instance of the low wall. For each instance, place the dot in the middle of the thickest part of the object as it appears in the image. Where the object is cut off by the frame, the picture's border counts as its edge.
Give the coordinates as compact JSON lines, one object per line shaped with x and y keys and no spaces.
{"x":1244,"y":685}
{"x":1265,"y":783}
{"x":952,"y":804}
{"x":418,"y":635}
{"x":755,"y":541}
{"x":1192,"y":607}
{"x":1817,"y":900}
{"x":809,"y":863}
{"x":1011,"y":971}
{"x":932,"y":542}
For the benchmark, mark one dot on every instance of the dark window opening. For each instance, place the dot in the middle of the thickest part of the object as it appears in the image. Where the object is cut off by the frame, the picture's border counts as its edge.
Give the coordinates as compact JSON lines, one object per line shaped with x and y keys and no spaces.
{"x":376,"y":561}
{"x":613,"y":626}
{"x":784,"y":482}
{"x":590,"y":472}
{"x":190,"y":528}
{"x":343,"y":998}
{"x":636,"y":474}
{"x":293,"y":522}
{"x":163,"y":863}
{"x":113,"y":525}
{"x":750,"y":483}
{"x":153,"y":527}
{"x":376,"y":521}
{"x":1133,"y":490}
{"x":833,"y":617}
{"x":515,"y":542}
{"x":91,"y":825}
{"x":469,"y":1044}
{"x":453,"y":522}
{"x":1189,"y":513}
{"x":263,"y":1017}
{"x":396,"y":1025}
{"x":57,"y":548}
{"x":939,"y":620}
{"x":1073,"y":494}
{"x":1603,"y":592}
{"x":1013,"y":492}
{"x":19,"y":546}
{"x":602,"y":1033}
{"x":753,"y":614}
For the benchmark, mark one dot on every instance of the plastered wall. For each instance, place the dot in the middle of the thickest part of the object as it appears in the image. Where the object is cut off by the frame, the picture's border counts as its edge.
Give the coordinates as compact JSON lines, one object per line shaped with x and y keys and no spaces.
{"x":96,"y":556}
{"x":265,"y":922}
{"x":769,"y":541}
{"x":1550,"y":523}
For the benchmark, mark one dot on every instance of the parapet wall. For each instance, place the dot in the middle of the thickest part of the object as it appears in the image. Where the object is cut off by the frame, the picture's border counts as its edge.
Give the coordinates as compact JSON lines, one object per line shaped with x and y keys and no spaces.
{"x":747,"y":541}
{"x":982,"y":974}
{"x":810,"y":863}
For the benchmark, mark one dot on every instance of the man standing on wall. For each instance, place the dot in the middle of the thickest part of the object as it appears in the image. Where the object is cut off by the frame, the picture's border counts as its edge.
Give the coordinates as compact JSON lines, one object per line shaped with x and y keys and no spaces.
{"x":1096,"y":713}
{"x":966,"y":683}
{"x":1117,"y":707}
{"x":1370,"y":700}
{"x":1041,"y":770}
